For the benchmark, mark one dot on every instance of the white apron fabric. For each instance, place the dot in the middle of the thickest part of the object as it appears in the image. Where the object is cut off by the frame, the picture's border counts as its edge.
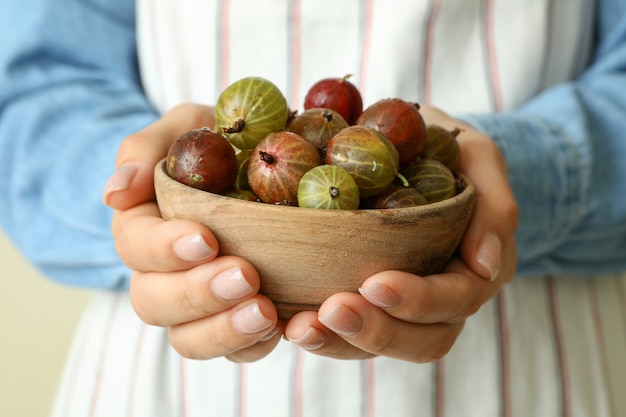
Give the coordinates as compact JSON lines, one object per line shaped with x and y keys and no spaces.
{"x":545,"y":346}
{"x":553,"y":347}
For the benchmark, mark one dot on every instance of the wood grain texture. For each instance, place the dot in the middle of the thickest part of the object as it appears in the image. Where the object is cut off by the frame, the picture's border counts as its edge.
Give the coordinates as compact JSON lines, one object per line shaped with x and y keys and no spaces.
{"x":305,"y":255}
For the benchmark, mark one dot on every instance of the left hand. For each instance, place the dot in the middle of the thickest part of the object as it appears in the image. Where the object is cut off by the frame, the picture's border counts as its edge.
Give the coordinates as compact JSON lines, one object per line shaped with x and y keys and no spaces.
{"x":415,"y":318}
{"x":210,"y":304}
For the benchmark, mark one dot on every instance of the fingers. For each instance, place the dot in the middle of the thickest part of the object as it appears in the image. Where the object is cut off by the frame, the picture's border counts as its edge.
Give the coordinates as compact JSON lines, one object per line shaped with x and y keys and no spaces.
{"x":131,"y":183}
{"x":399,"y":314}
{"x":146,"y":242}
{"x":211,"y":310}
{"x":363,"y":330}
{"x":305,"y":330}
{"x":231,"y":333}
{"x":449,"y":297}
{"x":167,"y":299}
{"x":261,"y":348}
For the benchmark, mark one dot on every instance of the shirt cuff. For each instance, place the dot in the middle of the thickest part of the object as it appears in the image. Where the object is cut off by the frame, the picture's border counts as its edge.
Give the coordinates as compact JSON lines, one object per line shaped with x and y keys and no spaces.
{"x":549,"y":174}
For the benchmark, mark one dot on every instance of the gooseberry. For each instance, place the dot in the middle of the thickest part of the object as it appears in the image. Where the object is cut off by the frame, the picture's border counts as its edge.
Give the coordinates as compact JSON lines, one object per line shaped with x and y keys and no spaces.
{"x":318,"y":125}
{"x":367,"y":155}
{"x":337,"y":94}
{"x":401,"y":122}
{"x":243,"y":158}
{"x":241,"y":194}
{"x":442,"y":145}
{"x":249,"y":109}
{"x":328,"y":187}
{"x":203,"y":159}
{"x":432,"y":179}
{"x":398,"y":196}
{"x":276,"y":165}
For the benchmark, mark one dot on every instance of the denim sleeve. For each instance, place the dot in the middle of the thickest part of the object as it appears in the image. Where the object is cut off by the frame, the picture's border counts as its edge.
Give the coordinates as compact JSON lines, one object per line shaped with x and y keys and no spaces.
{"x":565,"y":151}
{"x":69,"y":93}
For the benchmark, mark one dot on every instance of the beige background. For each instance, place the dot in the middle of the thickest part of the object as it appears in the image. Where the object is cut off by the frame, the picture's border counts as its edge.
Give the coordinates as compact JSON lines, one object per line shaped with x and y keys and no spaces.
{"x":37,"y":320}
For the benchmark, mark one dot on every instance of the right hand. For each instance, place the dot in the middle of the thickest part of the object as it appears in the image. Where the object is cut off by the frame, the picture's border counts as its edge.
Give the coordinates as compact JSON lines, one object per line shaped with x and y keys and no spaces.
{"x":419,"y":318}
{"x":210,"y":304}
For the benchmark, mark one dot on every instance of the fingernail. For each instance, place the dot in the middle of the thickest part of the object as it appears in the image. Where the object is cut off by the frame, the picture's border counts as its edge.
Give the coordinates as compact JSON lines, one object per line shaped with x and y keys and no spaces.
{"x":311,"y":340}
{"x":489,"y":254}
{"x":231,"y":285}
{"x":121,"y":179}
{"x":342,"y":320}
{"x":380,"y":295}
{"x":270,"y":335}
{"x":193,"y":248}
{"x":250,"y":320}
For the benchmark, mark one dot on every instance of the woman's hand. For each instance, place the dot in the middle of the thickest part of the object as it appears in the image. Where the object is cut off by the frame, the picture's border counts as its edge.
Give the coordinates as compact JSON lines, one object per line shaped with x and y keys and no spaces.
{"x":419,"y":318}
{"x":210,"y":304}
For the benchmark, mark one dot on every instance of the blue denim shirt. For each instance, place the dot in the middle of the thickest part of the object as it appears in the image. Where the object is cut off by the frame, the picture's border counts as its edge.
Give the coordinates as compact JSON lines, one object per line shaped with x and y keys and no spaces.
{"x":70,"y":92}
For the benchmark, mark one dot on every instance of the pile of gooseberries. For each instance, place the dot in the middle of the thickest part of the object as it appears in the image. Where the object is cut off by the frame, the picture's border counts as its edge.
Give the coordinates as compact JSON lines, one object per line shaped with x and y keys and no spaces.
{"x":333,"y":155}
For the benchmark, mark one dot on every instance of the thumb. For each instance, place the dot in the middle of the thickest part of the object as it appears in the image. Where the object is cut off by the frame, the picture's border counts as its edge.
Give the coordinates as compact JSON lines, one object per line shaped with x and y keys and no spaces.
{"x":496,"y":214}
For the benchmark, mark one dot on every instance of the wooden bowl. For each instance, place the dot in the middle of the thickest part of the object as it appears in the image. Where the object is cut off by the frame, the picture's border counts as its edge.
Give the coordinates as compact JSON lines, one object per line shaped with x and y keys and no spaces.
{"x":305,"y":255}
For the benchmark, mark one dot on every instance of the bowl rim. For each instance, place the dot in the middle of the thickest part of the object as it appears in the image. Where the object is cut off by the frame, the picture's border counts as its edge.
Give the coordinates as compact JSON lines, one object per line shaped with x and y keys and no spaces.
{"x":466,"y":193}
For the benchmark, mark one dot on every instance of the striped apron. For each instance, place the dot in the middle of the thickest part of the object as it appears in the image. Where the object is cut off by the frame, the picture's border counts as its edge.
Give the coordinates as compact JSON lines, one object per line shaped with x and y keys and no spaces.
{"x":544,"y":346}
